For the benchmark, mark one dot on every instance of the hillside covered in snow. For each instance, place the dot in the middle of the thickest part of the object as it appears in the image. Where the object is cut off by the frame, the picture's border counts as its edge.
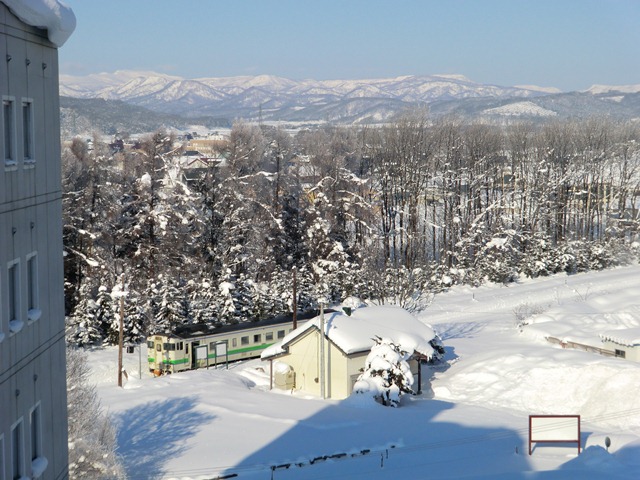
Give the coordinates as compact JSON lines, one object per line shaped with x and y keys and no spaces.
{"x":165,"y":100}
{"x":472,"y":421}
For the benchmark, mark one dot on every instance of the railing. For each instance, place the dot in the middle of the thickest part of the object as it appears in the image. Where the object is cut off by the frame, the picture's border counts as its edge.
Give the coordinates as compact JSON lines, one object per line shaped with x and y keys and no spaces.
{"x":581,"y":346}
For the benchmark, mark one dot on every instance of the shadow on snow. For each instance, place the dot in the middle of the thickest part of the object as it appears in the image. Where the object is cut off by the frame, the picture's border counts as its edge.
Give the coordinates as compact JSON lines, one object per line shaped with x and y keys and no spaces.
{"x":359,"y":439}
{"x":151,"y":434}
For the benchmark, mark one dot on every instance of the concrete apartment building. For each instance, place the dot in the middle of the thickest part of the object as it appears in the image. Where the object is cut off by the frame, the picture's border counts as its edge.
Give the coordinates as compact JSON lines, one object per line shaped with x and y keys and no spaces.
{"x":33,"y":410}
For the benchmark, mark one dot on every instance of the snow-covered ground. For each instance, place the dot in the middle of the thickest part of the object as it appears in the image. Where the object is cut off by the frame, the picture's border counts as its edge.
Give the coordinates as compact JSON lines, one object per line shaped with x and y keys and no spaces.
{"x":472,"y":422}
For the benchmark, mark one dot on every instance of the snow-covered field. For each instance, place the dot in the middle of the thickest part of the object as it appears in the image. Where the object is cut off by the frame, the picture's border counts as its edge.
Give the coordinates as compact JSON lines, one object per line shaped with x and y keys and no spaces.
{"x":472,"y":422}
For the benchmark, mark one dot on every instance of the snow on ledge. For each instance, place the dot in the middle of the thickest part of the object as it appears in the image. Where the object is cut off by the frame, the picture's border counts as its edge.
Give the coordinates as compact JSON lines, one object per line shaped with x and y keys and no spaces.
{"x":15,"y":326}
{"x":629,"y":337}
{"x":53,"y":15}
{"x":38,"y":466}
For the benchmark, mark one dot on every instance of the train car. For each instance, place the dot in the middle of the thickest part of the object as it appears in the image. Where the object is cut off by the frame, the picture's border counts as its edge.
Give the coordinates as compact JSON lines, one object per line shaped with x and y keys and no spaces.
{"x":197,"y":346}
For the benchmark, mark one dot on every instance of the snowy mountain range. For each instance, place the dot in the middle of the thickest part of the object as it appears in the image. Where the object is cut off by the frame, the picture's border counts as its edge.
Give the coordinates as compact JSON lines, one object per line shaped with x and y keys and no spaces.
{"x":271,"y":98}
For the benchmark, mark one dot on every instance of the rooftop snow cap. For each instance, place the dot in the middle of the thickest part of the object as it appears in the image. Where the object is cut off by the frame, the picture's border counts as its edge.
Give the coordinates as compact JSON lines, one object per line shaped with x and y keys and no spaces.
{"x":52,"y":15}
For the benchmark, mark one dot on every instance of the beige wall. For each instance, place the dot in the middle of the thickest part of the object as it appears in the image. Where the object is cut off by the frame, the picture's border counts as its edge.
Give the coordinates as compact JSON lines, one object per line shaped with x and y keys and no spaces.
{"x":207,"y":146}
{"x":32,"y":360}
{"x":631,"y":353}
{"x":341,"y":370}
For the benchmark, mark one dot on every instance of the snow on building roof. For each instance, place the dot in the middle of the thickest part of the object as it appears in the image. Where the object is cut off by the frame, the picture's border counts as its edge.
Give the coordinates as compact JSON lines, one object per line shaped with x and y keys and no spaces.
{"x":52,"y":15}
{"x":355,"y":333}
{"x":626,"y":336}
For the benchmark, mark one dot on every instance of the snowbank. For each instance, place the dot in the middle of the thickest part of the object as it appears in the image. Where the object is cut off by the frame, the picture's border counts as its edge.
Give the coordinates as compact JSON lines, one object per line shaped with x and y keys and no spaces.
{"x":52,"y":15}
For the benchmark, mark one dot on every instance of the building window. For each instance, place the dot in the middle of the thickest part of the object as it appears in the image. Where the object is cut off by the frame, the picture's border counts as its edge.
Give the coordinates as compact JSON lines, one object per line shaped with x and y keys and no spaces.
{"x":13,"y":291}
{"x":36,"y":433}
{"x":27,"y":130}
{"x":33,"y":303}
{"x":17,"y":451}
{"x":8,"y":122}
{"x":38,"y":461}
{"x":620,"y":353}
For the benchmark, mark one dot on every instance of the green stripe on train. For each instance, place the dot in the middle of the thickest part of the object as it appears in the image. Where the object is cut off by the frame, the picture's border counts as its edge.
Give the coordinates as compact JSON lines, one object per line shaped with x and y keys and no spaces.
{"x":243,"y":350}
{"x":178,"y":361}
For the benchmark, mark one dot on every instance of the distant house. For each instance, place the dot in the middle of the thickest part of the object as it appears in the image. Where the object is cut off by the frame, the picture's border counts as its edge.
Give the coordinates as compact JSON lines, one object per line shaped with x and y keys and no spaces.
{"x":625,"y":343}
{"x":195,"y":165}
{"x":296,"y":362}
{"x":213,"y":146}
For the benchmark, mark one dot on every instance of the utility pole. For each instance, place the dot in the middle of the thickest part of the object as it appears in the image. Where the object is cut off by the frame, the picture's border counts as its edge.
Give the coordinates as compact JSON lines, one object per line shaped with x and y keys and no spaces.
{"x":121,"y":294}
{"x":322,"y":372}
{"x":121,"y":332}
{"x":295,"y":299}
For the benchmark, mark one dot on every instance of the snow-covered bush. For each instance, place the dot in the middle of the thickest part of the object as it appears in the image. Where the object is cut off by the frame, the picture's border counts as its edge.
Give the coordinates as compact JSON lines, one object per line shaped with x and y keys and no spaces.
{"x":407,"y":288}
{"x":525,"y":310}
{"x":498,"y":258}
{"x":92,"y":438}
{"x":387,"y":375}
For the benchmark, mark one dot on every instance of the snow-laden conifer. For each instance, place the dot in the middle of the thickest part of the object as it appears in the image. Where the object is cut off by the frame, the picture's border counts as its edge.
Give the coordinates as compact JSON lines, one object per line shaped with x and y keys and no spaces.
{"x":387,"y":375}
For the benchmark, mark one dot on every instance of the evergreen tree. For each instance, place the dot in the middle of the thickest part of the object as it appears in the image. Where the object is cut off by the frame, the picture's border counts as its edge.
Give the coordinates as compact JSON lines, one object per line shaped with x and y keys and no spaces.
{"x":387,"y":375}
{"x":105,"y":314}
{"x":82,"y":324}
{"x":173,"y":308}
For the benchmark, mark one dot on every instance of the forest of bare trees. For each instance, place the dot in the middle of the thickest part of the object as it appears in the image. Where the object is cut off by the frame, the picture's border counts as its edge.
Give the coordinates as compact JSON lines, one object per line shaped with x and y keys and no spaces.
{"x":389,"y":214}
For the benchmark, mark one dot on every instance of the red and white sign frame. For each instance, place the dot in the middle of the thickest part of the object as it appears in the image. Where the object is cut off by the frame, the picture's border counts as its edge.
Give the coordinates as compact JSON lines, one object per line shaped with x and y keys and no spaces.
{"x":554,"y":429}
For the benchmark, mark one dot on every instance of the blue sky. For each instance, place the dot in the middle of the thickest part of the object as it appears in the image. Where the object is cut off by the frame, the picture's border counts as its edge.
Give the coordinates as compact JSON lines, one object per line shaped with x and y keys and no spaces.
{"x":568,"y":44}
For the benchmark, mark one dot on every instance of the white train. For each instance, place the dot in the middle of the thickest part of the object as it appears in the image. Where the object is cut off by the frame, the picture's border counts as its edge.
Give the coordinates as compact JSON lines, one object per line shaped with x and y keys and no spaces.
{"x":197,"y":346}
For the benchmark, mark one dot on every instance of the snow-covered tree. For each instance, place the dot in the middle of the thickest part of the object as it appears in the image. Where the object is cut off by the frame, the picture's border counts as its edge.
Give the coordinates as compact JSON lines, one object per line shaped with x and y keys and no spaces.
{"x":388,"y":213}
{"x":105,"y":314}
{"x":202,"y":300}
{"x":387,"y":374}
{"x":172,"y":305}
{"x":82,"y":326}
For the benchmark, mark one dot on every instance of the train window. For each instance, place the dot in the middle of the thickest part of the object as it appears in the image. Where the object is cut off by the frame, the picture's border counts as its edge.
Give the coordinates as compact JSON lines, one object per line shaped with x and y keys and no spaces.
{"x":212,"y":346}
{"x":257,"y":338}
{"x":268,"y":336}
{"x":244,"y":340}
{"x":180,"y":345}
{"x":150,"y":343}
{"x":234,"y":342}
{"x":170,"y":346}
{"x":280,"y":333}
{"x":158,"y":347}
